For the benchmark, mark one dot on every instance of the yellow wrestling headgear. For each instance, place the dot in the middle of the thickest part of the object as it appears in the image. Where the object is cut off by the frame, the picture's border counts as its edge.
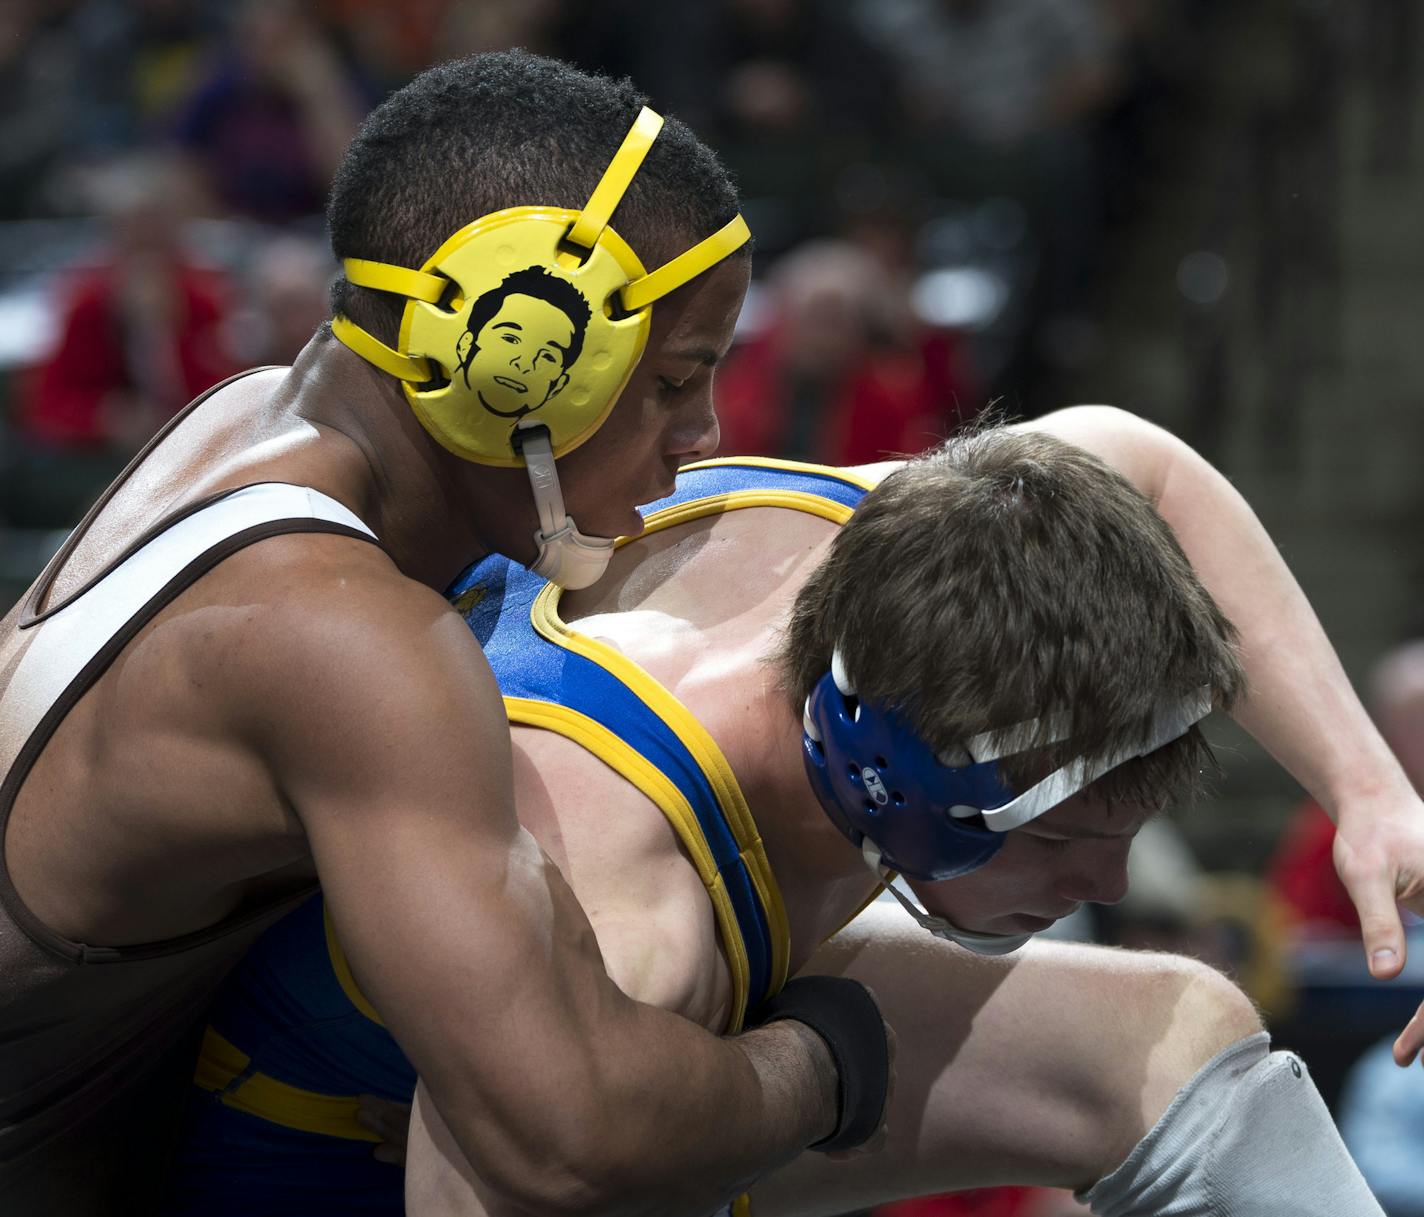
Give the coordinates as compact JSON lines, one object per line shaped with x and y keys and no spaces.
{"x":528,"y":317}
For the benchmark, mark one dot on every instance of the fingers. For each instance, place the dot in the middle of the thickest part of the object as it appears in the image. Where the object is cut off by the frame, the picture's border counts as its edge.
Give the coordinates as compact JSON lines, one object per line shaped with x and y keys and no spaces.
{"x":390,"y":1121}
{"x":1372,"y":890}
{"x":1410,"y":1040}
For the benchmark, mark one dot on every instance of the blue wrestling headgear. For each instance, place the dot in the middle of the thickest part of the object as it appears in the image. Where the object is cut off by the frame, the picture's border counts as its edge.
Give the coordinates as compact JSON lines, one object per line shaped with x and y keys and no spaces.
{"x":939,"y":817}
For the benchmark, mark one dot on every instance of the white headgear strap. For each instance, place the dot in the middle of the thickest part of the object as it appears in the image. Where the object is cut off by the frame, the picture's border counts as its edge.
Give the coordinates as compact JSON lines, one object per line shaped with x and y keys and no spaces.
{"x":565,"y":555}
{"x":1172,"y":720}
{"x":940,"y":927}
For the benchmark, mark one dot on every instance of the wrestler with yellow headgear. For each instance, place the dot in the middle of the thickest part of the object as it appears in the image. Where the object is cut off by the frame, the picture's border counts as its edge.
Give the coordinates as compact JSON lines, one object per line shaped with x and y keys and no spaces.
{"x":521,"y":331}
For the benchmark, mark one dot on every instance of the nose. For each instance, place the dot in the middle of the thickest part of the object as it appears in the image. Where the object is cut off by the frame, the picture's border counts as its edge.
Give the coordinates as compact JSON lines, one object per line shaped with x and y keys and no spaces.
{"x":695,"y":435}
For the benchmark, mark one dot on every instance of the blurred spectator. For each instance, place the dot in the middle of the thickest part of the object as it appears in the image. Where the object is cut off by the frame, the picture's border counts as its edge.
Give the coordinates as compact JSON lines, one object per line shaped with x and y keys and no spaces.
{"x":998,"y":72}
{"x":141,"y":327}
{"x":788,"y":90}
{"x":497,"y":25}
{"x":1381,"y":1117}
{"x":142,"y":58}
{"x":284,"y":300}
{"x":990,"y":1202}
{"x":1302,"y":872}
{"x":1001,"y":97}
{"x":271,"y":120}
{"x":387,"y":43}
{"x":843,"y":374}
{"x":39,"y":110}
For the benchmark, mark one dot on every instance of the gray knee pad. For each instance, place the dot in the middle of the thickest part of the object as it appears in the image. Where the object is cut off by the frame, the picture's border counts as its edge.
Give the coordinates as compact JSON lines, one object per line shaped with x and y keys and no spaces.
{"x":1248,"y":1136}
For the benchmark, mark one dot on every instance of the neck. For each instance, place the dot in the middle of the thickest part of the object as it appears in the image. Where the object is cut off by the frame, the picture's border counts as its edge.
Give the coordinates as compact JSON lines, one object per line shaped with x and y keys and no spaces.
{"x":822,"y":877}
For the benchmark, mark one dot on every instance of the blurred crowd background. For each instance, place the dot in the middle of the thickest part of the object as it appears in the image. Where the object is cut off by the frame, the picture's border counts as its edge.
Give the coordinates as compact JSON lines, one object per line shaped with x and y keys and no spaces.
{"x":1206,"y":211}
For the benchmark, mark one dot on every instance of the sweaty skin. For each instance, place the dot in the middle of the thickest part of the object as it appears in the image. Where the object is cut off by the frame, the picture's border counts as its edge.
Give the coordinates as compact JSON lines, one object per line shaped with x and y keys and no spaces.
{"x":313,"y":708}
{"x":1058,"y":1101}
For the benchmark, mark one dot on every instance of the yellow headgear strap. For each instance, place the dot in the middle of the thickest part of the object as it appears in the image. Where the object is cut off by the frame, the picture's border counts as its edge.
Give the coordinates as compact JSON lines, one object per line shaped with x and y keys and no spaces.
{"x":613,"y":184}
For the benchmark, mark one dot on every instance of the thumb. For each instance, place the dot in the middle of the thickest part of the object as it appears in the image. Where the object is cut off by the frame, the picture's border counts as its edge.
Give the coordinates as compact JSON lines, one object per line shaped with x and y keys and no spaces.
{"x":1373,"y":897}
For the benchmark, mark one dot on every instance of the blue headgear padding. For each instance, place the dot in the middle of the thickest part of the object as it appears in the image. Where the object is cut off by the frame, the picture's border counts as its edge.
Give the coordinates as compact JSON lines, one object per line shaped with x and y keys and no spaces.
{"x":877,"y":779}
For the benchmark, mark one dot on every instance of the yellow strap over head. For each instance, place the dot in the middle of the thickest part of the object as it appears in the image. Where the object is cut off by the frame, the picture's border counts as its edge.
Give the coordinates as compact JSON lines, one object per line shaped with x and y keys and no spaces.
{"x":398,"y":279}
{"x":615,"y":180}
{"x":687,"y":266}
{"x":376,"y":352}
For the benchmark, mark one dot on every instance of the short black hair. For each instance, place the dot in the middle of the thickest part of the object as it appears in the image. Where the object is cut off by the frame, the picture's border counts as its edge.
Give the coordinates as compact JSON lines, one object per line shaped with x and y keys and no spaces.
{"x":537,"y":282}
{"x":507,"y":129}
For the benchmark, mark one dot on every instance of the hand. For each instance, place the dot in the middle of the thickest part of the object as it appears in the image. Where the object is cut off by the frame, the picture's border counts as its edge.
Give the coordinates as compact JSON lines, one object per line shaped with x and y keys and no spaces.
{"x":1379,"y":854}
{"x":390,"y":1121}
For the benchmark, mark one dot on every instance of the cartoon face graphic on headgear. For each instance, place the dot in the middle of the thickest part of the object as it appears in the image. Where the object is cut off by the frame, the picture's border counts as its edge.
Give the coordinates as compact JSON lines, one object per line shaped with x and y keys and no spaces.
{"x":521,"y":342}
{"x":503,"y":389}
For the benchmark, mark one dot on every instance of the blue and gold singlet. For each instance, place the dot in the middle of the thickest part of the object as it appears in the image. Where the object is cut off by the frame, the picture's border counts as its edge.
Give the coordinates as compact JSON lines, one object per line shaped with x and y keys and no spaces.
{"x":292,"y":1041}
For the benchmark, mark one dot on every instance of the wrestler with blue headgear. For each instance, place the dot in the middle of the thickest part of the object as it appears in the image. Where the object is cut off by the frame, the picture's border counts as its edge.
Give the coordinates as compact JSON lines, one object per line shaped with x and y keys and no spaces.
{"x":1006,"y":654}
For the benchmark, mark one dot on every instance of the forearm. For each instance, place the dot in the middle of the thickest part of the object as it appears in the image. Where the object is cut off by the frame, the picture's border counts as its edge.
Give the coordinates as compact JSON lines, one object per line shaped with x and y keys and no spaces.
{"x":566,"y":1096}
{"x":1299,"y":703}
{"x":683,"y":1142}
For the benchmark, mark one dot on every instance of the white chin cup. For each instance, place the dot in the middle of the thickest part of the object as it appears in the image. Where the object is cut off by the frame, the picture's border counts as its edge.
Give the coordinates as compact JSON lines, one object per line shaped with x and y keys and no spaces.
{"x":940,"y":927}
{"x":565,"y":556}
{"x":571,"y":559}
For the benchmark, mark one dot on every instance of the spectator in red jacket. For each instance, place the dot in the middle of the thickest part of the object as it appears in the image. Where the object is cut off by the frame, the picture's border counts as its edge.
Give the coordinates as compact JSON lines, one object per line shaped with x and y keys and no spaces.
{"x":141,"y":330}
{"x":843,"y":373}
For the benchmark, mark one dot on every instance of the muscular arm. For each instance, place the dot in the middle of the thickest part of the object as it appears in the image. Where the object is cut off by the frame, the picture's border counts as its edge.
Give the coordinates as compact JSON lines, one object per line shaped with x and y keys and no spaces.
{"x":1300,"y":704}
{"x":385,"y":731}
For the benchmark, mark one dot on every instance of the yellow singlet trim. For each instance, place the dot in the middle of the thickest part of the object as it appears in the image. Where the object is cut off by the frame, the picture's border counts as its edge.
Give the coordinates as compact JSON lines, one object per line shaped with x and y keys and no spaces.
{"x":342,"y":969}
{"x":544,"y":615}
{"x":834,"y":472}
{"x":631,"y":765}
{"x":221,"y":1064}
{"x":734,"y":500}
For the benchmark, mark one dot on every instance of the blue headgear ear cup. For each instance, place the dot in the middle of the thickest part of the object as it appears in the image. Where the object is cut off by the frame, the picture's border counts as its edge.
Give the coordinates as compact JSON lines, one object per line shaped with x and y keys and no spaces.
{"x":875,"y":778}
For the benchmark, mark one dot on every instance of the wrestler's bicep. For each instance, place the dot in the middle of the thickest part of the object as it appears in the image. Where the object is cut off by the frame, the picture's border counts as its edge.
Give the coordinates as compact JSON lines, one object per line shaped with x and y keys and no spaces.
{"x":394,"y":752}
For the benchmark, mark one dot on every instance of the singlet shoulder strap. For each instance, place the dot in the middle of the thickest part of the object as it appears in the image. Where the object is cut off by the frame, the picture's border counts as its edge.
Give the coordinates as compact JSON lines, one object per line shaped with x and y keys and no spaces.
{"x":730,"y":483}
{"x":73,"y":642}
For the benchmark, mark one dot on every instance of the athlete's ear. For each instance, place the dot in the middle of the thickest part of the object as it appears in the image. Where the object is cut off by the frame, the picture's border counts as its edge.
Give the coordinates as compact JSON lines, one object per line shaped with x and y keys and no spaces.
{"x":557,"y":386}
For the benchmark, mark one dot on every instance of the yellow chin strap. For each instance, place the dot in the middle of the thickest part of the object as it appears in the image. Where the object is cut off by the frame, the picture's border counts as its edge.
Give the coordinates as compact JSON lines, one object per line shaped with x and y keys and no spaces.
{"x":528,"y":316}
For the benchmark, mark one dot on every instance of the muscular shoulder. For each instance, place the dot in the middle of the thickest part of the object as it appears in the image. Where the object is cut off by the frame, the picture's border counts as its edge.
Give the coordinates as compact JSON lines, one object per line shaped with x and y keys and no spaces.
{"x":340,"y":668}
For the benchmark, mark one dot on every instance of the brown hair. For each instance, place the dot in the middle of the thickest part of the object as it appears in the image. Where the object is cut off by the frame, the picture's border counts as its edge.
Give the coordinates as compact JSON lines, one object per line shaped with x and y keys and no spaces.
{"x":1008,"y":576}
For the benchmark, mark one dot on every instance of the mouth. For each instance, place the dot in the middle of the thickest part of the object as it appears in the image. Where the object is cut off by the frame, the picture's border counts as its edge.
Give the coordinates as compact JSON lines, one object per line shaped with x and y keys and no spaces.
{"x":510,"y":383}
{"x":1024,"y":923}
